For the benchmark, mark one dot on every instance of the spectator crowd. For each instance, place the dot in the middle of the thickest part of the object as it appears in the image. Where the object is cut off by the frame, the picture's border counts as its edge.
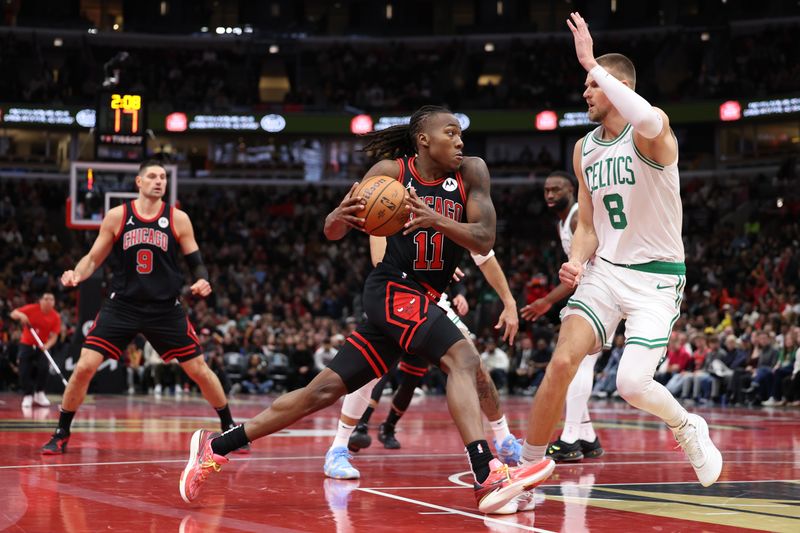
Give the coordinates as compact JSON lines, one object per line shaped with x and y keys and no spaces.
{"x":285,"y":298}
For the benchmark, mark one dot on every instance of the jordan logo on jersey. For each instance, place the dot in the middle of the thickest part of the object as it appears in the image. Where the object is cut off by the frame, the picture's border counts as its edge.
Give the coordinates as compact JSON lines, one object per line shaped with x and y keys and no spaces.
{"x":150,"y":236}
{"x":130,"y":221}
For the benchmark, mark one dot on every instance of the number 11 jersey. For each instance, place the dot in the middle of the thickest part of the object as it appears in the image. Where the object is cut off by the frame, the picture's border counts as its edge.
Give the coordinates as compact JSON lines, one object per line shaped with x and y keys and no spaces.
{"x":427,"y":256}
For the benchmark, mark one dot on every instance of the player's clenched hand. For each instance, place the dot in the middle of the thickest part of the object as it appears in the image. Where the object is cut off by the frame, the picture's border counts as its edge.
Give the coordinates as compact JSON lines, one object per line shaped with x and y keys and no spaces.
{"x":583,"y":41}
{"x":347,"y":209}
{"x":535,"y":309}
{"x":201,"y":287}
{"x":422,"y":216}
{"x":70,"y":278}
{"x":510,"y":320}
{"x":570,"y":273}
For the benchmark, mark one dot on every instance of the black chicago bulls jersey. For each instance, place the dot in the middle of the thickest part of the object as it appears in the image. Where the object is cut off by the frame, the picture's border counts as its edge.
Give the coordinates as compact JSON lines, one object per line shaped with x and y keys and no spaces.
{"x":427,"y":256}
{"x":146,"y":254}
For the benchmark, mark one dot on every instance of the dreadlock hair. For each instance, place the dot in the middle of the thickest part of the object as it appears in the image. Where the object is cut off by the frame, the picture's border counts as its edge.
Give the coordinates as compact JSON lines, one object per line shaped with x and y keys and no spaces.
{"x":400,"y":140}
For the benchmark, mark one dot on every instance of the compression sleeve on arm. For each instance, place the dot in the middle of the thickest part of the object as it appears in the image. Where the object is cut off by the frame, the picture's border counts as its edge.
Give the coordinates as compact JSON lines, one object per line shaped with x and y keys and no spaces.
{"x":645,"y":120}
{"x":195,"y":261}
{"x":481,"y":259}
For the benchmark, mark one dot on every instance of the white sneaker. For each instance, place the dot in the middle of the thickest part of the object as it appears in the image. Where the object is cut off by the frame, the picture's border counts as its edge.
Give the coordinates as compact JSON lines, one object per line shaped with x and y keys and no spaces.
{"x":157,"y":390}
{"x":705,"y":457}
{"x":40,"y":399}
{"x":27,"y":401}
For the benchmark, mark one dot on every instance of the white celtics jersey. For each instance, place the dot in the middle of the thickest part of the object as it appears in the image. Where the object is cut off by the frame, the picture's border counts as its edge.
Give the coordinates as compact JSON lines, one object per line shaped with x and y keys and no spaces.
{"x":636,"y":201}
{"x":565,"y":229}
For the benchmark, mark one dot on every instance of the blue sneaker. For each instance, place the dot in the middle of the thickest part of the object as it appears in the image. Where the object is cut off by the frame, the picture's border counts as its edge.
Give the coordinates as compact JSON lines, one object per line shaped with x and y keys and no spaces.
{"x":337,"y":464}
{"x":510,"y":452}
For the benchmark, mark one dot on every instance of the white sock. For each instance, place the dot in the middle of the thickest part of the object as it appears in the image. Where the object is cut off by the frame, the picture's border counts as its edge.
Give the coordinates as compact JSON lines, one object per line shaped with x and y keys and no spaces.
{"x":586,"y":432}
{"x":531,"y":453}
{"x":343,"y":432}
{"x":570,"y":433}
{"x":500,"y":429}
{"x":580,"y":388}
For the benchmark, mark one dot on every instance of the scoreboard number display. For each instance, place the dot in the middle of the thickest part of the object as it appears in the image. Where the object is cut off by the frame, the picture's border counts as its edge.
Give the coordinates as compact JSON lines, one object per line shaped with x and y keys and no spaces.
{"x":120,"y":130}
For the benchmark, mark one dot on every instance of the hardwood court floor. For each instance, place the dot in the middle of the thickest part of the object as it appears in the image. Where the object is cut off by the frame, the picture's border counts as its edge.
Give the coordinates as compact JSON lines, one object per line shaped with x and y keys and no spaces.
{"x":126,"y":454}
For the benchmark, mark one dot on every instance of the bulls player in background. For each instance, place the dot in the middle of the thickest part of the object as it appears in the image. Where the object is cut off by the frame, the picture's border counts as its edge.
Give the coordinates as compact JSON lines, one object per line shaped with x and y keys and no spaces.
{"x":146,"y":238}
{"x":452,"y":212}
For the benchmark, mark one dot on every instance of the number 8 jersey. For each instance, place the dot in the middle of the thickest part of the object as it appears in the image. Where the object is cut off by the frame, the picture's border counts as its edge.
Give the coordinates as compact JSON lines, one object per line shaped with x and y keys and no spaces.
{"x":637,"y":203}
{"x":146,"y":255}
{"x":427,"y":256}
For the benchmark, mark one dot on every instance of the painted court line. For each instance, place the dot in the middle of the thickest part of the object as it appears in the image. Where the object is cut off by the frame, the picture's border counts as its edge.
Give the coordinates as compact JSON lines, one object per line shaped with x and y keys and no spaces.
{"x":484,"y":518}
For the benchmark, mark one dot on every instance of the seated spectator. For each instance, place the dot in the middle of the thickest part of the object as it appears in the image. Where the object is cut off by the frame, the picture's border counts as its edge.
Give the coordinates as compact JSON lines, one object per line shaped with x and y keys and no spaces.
{"x":522,"y":374}
{"x":606,"y":381}
{"x":496,"y":361}
{"x":324,"y":355}
{"x":678,"y":358}
{"x":783,"y":368}
{"x":541,"y":358}
{"x":256,"y":380}
{"x":763,"y":359}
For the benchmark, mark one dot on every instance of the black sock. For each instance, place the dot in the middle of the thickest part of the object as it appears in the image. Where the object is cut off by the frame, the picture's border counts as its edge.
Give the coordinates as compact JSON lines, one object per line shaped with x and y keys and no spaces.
{"x":233,"y":439}
{"x":64,"y":421}
{"x":225,"y":418}
{"x":393,"y":417}
{"x":366,"y":416}
{"x":479,"y":458}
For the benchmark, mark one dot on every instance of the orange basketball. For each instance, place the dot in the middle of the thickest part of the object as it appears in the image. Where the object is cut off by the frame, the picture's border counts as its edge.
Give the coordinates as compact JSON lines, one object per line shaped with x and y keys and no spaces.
{"x":386,"y":211}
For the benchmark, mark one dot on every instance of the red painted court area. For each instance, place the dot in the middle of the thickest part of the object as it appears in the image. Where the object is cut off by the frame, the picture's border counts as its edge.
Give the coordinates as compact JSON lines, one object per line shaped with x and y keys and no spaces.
{"x":124,"y":460}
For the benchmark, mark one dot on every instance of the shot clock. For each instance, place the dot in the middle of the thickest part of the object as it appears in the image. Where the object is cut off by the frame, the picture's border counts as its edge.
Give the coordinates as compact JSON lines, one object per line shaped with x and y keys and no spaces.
{"x":120,"y":129}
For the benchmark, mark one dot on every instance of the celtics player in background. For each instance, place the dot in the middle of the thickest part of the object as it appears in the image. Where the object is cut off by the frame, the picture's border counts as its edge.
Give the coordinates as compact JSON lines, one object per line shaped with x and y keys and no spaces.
{"x":626,"y":258}
{"x":578,"y":439}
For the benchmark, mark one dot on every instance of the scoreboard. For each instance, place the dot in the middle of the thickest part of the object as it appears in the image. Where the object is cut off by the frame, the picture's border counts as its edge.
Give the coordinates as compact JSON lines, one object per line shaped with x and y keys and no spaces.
{"x":121,"y":126}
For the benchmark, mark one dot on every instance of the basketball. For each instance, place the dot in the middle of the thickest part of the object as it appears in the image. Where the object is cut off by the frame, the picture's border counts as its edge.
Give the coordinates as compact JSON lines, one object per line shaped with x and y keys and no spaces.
{"x":385,"y":212}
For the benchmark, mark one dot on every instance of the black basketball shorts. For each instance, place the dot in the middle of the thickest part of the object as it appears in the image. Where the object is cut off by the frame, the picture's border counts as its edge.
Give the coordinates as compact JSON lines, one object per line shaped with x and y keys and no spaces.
{"x":401,"y":320}
{"x":165,"y":325}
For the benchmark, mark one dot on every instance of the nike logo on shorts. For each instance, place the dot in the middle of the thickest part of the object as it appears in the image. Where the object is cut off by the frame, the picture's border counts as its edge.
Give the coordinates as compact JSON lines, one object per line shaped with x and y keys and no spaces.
{"x":659,"y":286}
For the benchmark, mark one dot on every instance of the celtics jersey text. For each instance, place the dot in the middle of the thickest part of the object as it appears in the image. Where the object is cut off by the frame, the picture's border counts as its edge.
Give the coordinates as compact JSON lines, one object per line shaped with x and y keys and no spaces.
{"x":427,"y":256}
{"x":636,"y":201}
{"x":145,"y":255}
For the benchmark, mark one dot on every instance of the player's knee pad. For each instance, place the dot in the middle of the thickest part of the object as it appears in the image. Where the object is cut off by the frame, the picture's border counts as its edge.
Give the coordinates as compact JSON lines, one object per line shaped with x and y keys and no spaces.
{"x":357,"y":401}
{"x":635,"y":373}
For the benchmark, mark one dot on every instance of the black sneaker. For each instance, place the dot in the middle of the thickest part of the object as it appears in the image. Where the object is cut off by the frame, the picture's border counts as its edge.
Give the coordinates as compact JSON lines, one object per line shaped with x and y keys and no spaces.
{"x":58,"y":443}
{"x":386,"y":436}
{"x":591,"y":449}
{"x":359,"y":438}
{"x":563,"y":452}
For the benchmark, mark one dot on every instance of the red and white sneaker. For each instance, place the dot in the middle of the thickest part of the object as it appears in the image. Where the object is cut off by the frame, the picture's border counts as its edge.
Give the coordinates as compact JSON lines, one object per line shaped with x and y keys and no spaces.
{"x":504,"y":483}
{"x":202,"y":460}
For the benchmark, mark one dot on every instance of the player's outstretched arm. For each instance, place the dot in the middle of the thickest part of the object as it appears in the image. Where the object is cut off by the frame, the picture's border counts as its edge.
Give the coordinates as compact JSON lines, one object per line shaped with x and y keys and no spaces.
{"x":343,"y":218}
{"x":584,"y":241}
{"x":477,"y":234}
{"x":112,"y":223}
{"x":184,"y":232}
{"x":494,"y":274}
{"x":537,"y":308}
{"x":652,"y":134}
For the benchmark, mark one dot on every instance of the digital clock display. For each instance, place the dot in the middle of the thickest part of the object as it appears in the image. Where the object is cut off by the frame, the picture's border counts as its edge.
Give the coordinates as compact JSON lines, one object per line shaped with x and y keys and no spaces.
{"x":120,"y":131}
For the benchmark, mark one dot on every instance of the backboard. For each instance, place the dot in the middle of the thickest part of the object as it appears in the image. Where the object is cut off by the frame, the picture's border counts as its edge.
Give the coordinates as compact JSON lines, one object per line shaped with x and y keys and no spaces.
{"x":95,"y":187}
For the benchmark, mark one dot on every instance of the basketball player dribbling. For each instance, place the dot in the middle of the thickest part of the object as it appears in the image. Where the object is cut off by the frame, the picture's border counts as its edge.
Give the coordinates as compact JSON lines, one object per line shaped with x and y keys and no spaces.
{"x":630,"y":219}
{"x":146,"y":238}
{"x":412,"y":369}
{"x":399,"y":300}
{"x":578,"y":439}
